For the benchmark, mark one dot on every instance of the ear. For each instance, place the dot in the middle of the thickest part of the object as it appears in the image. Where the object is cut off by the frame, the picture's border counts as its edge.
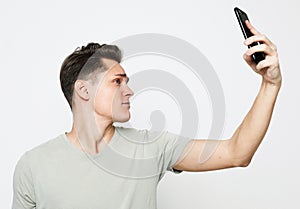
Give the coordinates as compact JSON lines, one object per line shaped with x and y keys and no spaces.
{"x":81,"y":89}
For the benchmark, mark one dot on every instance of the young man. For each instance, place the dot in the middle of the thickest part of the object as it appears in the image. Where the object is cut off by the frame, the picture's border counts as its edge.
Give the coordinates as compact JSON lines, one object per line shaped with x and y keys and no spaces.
{"x":99,"y":165}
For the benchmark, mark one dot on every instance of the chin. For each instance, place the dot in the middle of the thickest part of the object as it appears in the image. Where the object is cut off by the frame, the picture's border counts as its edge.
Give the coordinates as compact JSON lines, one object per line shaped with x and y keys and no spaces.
{"x":122,"y":119}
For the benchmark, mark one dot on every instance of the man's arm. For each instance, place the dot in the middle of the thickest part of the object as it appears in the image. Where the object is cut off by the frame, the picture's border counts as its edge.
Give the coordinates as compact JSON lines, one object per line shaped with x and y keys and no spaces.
{"x":237,"y":151}
{"x":203,"y":155}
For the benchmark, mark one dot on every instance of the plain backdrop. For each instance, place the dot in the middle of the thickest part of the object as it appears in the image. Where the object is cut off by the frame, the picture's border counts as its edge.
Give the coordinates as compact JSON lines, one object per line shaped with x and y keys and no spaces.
{"x":37,"y":35}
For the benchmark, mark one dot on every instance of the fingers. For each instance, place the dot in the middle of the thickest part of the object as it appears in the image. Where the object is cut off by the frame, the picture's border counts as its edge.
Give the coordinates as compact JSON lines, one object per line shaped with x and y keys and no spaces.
{"x":261,"y":48}
{"x":249,"y":60}
{"x":251,"y":28}
{"x":257,"y":37}
{"x":269,"y":52}
{"x":269,"y":67}
{"x":260,"y":38}
{"x":262,"y":65}
{"x":258,"y":68}
{"x":269,"y":61}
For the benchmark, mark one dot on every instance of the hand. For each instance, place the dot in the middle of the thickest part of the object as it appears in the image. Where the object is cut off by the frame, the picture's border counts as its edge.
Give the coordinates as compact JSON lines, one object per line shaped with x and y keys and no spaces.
{"x":269,"y":67}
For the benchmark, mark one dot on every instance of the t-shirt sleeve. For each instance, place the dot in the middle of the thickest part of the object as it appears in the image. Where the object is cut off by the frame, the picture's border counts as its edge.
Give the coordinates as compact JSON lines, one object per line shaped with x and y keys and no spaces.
{"x":23,"y":190}
{"x":174,"y":150}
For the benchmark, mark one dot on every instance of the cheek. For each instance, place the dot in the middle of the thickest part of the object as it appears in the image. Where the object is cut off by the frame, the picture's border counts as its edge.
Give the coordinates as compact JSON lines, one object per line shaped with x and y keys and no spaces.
{"x":104,"y":99}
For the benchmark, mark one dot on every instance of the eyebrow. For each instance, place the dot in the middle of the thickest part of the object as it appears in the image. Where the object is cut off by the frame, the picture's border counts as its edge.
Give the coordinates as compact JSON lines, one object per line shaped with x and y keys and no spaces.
{"x":123,"y":75}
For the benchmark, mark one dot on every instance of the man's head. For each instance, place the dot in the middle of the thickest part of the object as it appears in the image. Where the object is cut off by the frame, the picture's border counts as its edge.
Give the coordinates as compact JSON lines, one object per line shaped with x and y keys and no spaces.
{"x":93,"y":77}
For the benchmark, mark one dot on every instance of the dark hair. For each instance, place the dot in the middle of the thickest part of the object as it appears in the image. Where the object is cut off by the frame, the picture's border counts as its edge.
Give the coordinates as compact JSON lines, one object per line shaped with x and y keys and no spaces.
{"x":83,"y":62}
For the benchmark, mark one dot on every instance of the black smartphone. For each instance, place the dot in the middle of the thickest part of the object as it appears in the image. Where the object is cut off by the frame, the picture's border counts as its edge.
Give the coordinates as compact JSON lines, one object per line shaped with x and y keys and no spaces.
{"x":242,"y":17}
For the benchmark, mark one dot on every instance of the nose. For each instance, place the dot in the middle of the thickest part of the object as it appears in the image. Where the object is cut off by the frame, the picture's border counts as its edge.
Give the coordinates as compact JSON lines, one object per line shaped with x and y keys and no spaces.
{"x":127,"y":91}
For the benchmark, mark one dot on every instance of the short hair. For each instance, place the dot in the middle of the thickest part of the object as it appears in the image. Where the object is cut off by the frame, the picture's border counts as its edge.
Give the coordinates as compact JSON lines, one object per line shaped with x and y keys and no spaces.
{"x":83,"y":62}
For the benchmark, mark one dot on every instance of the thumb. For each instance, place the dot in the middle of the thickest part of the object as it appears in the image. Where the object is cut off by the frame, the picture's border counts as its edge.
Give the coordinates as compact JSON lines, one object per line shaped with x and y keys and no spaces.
{"x":250,"y":62}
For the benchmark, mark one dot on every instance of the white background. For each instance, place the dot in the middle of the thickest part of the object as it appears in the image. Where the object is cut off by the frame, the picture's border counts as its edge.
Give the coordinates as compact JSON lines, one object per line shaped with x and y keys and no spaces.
{"x":36,"y":36}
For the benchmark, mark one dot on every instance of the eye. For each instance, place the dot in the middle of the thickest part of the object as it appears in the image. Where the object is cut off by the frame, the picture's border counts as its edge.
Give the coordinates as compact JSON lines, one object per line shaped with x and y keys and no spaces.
{"x":118,"y":81}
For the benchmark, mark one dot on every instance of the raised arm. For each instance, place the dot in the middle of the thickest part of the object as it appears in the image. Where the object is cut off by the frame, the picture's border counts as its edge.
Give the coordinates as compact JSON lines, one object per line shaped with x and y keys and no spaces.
{"x":203,"y":155}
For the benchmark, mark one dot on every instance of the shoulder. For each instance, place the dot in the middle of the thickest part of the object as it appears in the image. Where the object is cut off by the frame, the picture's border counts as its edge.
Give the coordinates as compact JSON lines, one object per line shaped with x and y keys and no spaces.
{"x":43,"y":150}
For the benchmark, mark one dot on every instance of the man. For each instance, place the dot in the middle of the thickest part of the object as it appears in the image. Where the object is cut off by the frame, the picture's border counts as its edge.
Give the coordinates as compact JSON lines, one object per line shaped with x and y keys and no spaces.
{"x":98,"y":165}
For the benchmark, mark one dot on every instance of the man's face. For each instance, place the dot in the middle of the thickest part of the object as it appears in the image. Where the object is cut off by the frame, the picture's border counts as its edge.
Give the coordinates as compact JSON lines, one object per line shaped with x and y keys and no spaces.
{"x":112,"y":94}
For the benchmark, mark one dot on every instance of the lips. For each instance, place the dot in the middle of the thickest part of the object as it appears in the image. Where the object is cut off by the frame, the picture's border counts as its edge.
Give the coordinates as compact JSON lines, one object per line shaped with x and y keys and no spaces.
{"x":126,"y":104}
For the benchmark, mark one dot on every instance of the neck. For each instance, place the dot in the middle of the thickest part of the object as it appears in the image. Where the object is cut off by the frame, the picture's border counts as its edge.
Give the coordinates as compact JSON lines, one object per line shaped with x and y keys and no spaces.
{"x":91,"y":133}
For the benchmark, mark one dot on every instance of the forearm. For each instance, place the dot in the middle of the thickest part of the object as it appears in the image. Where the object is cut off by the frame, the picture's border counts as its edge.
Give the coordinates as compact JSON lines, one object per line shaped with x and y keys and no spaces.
{"x":252,"y":130}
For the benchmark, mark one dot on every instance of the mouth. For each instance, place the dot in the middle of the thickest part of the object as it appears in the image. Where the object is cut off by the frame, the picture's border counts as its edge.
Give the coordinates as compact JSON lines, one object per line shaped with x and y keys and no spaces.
{"x":126,"y":104}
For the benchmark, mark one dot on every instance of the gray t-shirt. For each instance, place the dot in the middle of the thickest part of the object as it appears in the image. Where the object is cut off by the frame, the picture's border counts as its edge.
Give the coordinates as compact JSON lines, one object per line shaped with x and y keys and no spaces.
{"x":124,"y":175}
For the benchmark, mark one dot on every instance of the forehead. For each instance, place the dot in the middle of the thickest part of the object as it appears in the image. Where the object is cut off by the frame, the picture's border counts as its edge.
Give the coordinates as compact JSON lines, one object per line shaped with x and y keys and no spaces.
{"x":113,"y":67}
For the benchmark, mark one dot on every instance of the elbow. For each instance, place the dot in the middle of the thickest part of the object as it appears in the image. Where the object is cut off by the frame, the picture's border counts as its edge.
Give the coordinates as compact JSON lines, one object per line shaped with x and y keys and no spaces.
{"x":239,"y":158}
{"x":242,"y":163}
{"x":245,"y":164}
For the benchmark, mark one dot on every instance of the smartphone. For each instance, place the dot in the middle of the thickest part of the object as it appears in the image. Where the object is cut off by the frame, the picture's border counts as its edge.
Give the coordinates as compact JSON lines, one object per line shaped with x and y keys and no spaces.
{"x":242,"y":17}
